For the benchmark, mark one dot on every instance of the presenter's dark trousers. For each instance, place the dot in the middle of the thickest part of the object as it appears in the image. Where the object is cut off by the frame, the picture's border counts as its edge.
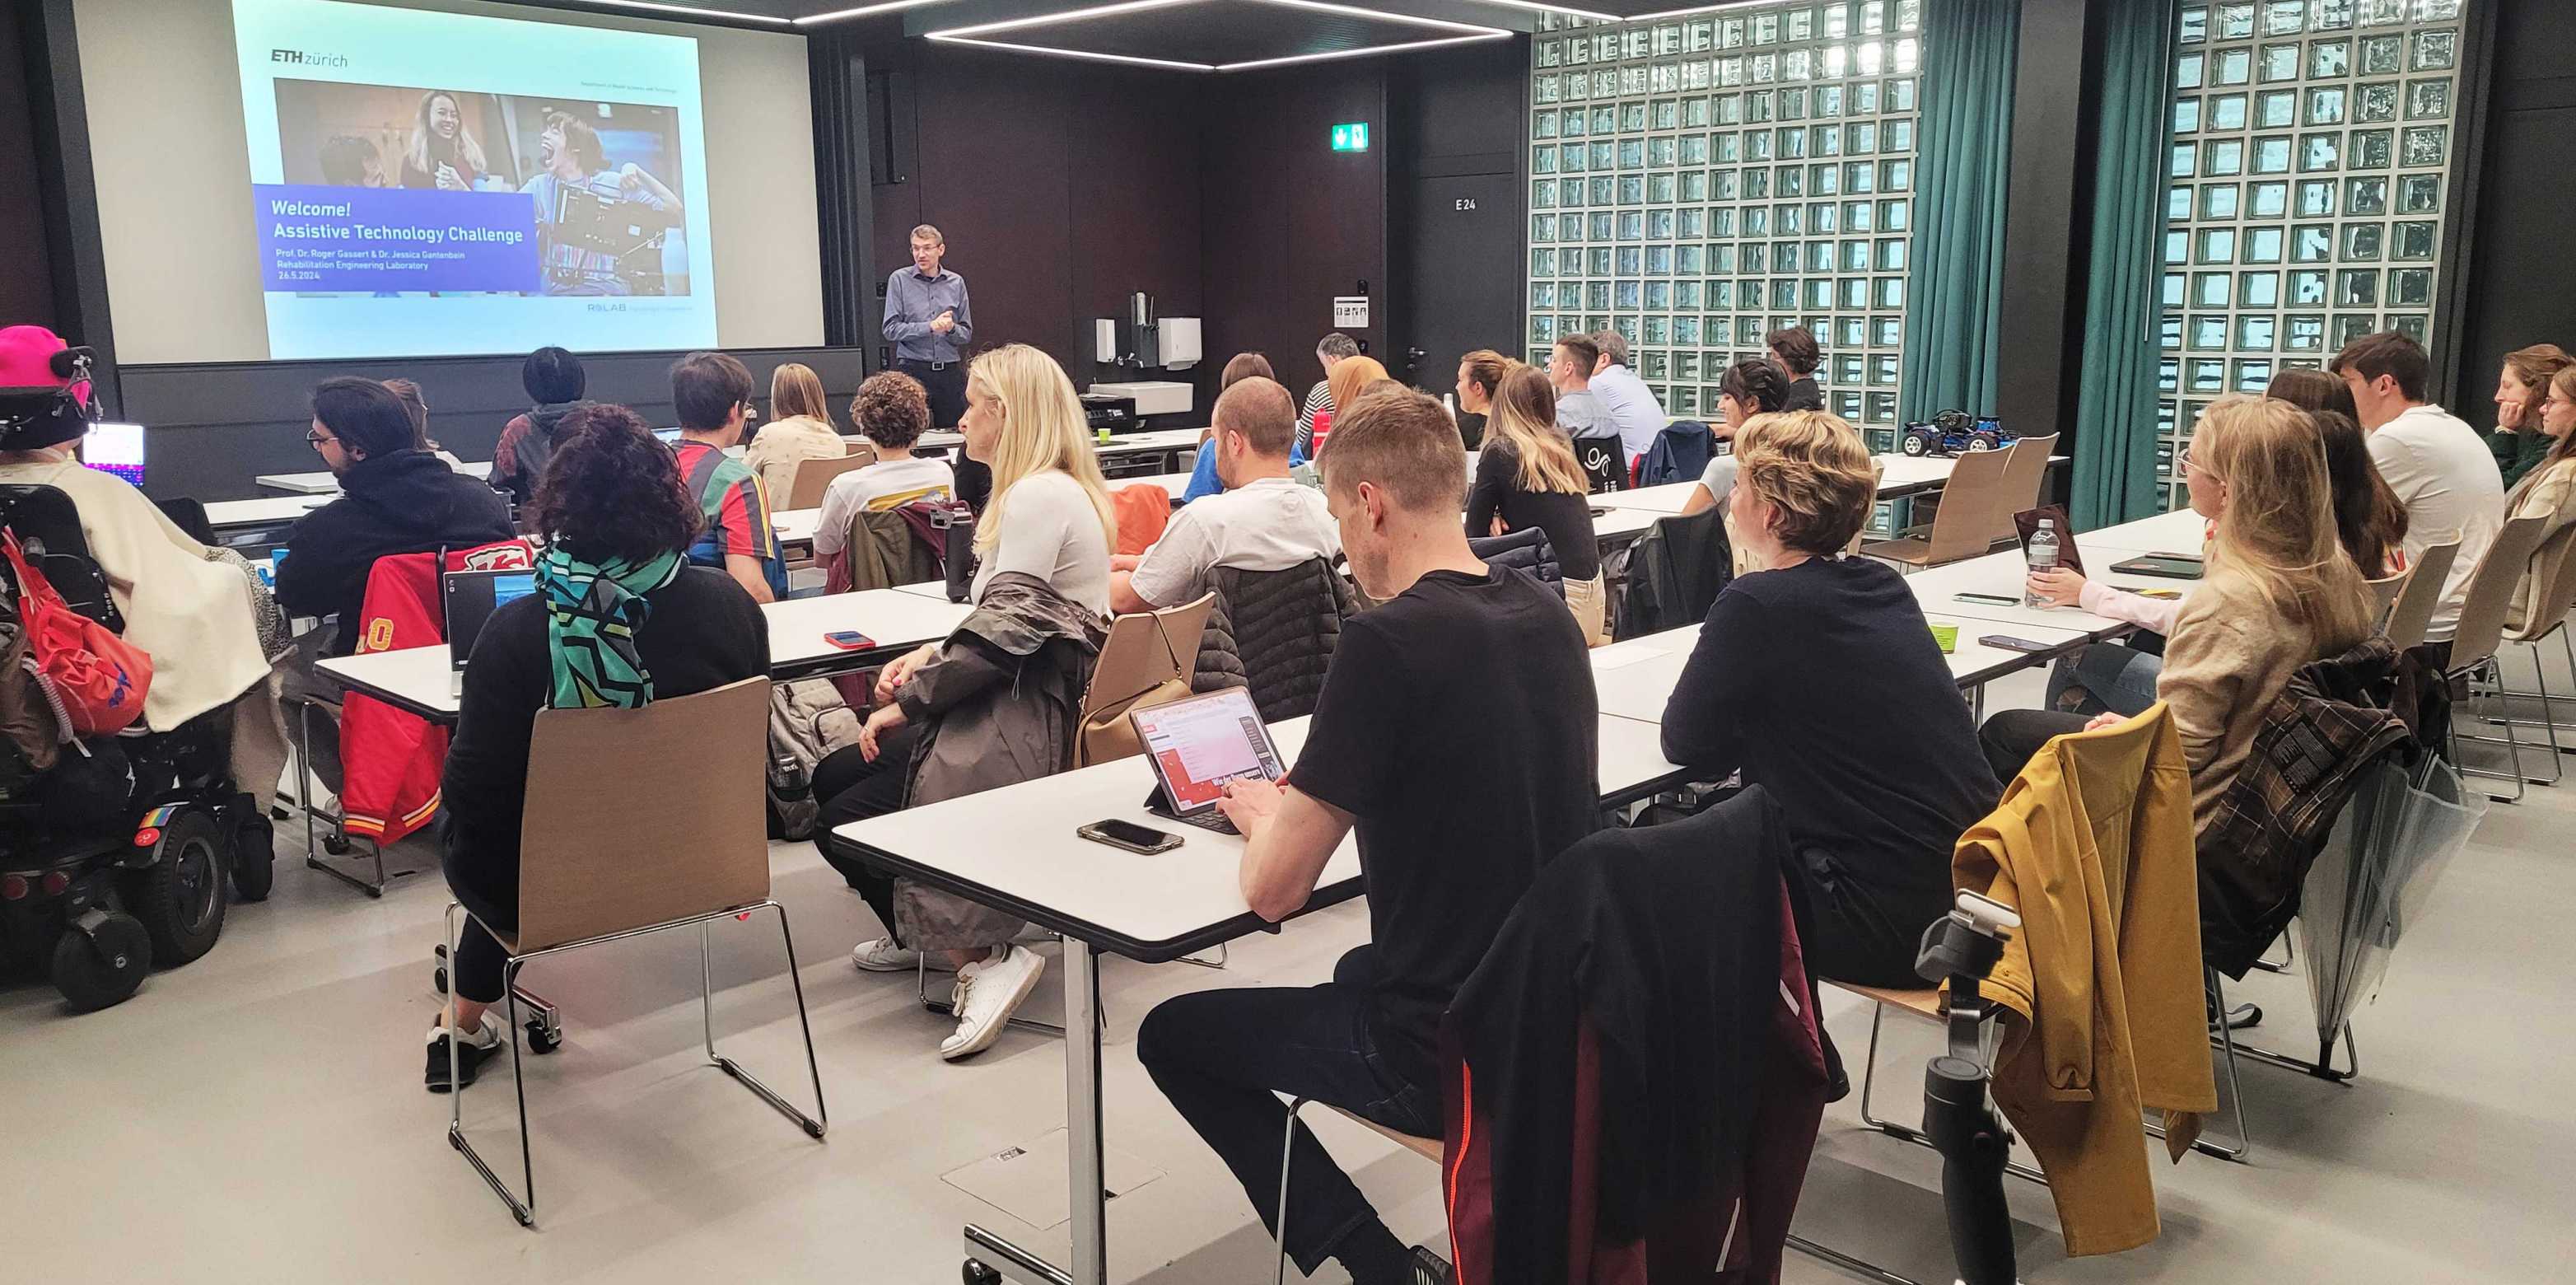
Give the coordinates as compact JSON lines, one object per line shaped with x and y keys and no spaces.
{"x":946,"y":383}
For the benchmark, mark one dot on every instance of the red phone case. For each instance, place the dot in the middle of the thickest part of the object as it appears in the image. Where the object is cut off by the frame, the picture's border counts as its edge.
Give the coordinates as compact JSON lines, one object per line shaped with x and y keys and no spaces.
{"x":856,"y":641}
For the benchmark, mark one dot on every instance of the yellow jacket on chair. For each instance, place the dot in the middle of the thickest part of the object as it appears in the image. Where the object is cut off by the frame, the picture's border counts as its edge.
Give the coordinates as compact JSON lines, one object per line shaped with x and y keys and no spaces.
{"x":2101,"y":988}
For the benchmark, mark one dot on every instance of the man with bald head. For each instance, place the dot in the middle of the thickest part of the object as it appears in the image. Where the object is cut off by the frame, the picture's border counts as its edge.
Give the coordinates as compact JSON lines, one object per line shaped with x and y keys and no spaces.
{"x":1264,"y":520}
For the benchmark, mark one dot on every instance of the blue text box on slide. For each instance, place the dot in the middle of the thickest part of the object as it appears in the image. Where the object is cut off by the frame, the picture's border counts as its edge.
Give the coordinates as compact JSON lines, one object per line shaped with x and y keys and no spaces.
{"x":316,"y":238}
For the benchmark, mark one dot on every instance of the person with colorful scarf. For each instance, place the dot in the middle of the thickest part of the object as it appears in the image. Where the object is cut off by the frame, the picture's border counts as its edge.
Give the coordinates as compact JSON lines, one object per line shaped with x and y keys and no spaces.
{"x":620,"y":620}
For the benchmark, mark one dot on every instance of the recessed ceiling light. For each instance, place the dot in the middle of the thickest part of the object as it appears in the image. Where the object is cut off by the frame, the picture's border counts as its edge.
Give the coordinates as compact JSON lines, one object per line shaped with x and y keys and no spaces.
{"x":650,"y":7}
{"x":887,"y":6}
{"x":1070,"y":15}
{"x":1684,"y":13}
{"x":1537,"y":6}
{"x":950,"y":37}
{"x":1364,"y":52}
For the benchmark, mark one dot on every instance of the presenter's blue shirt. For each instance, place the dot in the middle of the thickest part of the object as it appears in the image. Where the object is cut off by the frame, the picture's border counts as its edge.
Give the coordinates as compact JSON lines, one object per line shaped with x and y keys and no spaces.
{"x":913,"y":301}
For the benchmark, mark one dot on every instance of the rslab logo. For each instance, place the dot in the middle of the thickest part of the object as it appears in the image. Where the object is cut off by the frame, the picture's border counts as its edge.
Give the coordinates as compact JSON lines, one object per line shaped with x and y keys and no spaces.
{"x":303,"y":58}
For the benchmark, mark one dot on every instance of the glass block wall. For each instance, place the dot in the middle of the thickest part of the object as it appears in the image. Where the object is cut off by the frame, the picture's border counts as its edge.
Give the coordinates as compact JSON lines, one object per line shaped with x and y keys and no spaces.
{"x":2311,"y":149}
{"x":1697,"y":181}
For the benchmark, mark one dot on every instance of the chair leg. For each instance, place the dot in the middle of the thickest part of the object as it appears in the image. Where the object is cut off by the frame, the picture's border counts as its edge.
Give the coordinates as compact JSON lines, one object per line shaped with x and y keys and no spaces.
{"x":2226,"y":1040}
{"x":1218,"y":963}
{"x":813,"y":1128}
{"x":2511,"y":742}
{"x":1279,"y":1222}
{"x":1905,"y":1132}
{"x":524,"y":1211}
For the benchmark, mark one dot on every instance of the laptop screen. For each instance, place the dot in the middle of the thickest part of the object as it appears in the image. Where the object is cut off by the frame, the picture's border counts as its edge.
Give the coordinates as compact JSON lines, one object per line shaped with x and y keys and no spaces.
{"x":1199,"y":743}
{"x":116,"y":449}
{"x":472,"y":597}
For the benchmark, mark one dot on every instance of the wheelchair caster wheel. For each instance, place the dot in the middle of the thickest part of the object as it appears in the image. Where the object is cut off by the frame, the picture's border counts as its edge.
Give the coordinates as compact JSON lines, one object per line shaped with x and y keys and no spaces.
{"x":542,"y":1039}
{"x":438,"y":980}
{"x":978,"y":1274}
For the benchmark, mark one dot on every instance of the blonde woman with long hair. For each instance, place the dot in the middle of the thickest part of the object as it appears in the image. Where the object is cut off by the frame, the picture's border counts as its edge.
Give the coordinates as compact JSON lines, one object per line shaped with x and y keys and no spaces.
{"x":1527,"y":476}
{"x":443,"y":153}
{"x":2280,"y":592}
{"x":799,"y":429}
{"x":986,"y":719}
{"x":1347,"y":380}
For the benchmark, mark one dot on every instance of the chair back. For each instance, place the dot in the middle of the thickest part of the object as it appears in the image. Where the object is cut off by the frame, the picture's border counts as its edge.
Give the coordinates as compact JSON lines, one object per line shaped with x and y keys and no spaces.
{"x":2025,"y":468}
{"x":2491,"y":590}
{"x":679,"y":832}
{"x":2413,"y":612}
{"x":813,"y":477}
{"x":1146,"y":660}
{"x":2550,"y":589}
{"x":1603,"y":462}
{"x":2383,"y":595}
{"x":1973,"y":502}
{"x":1877,"y":479}
{"x":2560,"y":601}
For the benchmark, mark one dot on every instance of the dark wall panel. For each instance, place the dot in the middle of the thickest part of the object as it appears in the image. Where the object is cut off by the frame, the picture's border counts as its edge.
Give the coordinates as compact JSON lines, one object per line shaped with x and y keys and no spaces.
{"x":26,"y":282}
{"x":1290,"y":223}
{"x":1456,"y":207}
{"x":2516,"y":293}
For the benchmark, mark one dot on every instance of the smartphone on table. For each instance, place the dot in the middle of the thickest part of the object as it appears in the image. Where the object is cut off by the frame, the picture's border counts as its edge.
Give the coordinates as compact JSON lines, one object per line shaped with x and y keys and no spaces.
{"x":1989,"y":599}
{"x":1129,"y":835}
{"x":849,"y":640}
{"x":2007,"y":642}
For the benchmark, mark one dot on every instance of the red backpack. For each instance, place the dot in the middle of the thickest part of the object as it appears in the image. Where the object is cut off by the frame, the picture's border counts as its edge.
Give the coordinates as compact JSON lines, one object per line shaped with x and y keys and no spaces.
{"x":97,"y":678}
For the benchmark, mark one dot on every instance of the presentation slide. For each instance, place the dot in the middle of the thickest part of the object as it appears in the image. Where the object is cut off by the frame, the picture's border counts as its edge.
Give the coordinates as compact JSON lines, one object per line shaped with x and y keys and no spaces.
{"x":429,"y":183}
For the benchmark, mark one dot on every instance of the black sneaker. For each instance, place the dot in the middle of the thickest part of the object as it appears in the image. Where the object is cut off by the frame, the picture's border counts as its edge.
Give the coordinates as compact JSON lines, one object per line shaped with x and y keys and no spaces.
{"x":1430,"y":1268}
{"x":470,"y":1054}
{"x":2239,"y":1018}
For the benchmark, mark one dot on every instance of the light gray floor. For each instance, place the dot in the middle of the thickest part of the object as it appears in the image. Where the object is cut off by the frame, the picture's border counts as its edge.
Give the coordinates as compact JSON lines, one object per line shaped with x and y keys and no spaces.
{"x":258,"y":1116}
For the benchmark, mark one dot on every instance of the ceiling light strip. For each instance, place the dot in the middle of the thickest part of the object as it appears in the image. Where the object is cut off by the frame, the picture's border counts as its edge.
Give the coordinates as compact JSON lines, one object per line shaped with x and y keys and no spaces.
{"x":1536,"y":6}
{"x":1368,"y":52}
{"x":1442,"y":24}
{"x":862,"y":11}
{"x":951,"y":37}
{"x":649,"y":6}
{"x":1070,"y":15}
{"x":1684,"y":13}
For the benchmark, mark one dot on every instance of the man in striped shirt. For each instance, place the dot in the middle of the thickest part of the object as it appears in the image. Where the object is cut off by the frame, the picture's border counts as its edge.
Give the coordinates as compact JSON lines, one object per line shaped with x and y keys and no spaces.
{"x":1319,"y":399}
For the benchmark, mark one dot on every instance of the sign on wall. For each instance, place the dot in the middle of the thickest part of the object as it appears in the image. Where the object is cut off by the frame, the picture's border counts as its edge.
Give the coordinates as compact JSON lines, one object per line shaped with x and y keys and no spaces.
{"x":1350,"y":312}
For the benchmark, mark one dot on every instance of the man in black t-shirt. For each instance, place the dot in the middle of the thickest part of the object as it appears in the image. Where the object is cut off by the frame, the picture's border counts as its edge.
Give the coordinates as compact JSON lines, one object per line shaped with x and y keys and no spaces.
{"x":1457,"y":732}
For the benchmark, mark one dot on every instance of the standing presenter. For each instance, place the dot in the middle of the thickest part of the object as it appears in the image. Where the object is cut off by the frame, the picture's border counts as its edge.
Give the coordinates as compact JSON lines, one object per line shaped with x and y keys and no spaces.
{"x":928,"y":321}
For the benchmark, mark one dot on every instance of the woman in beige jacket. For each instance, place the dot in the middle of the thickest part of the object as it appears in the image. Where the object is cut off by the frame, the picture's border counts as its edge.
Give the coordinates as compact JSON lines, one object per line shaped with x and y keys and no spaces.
{"x":2548,"y":491}
{"x":800,"y":429}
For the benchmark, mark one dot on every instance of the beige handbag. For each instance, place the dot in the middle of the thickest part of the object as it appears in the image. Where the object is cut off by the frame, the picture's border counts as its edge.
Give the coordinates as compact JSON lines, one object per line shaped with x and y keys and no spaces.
{"x":1146,"y":661}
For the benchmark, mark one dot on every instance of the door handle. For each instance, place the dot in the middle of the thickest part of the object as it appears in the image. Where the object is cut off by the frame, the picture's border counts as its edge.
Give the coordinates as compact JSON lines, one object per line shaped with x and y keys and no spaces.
{"x":1413,"y":358}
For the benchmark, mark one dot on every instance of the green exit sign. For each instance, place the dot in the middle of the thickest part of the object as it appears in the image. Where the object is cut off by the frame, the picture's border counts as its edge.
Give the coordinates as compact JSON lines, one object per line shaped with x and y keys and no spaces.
{"x":1352,"y":137}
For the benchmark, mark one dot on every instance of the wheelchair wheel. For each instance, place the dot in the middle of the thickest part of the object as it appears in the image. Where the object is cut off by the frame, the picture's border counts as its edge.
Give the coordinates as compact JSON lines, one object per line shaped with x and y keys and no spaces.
{"x":181,"y":898}
{"x":101,"y":967}
{"x":254,"y":866}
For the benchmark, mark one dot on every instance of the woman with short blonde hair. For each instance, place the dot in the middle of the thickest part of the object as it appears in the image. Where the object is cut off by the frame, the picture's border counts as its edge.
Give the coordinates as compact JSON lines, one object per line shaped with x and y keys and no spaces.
{"x":799,"y":429}
{"x":1527,"y":476}
{"x":1348,"y":381}
{"x":1818,"y":679}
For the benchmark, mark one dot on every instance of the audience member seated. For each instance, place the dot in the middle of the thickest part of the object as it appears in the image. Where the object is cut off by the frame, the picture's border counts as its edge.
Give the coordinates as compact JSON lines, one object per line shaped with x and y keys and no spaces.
{"x":620,"y":619}
{"x":1262,"y":521}
{"x":417,"y":403}
{"x":1204,"y":480}
{"x":1578,"y":412}
{"x":1480,"y":373}
{"x":1527,"y":476}
{"x":2547,"y":491}
{"x":555,"y":382}
{"x":1329,"y":352}
{"x":1046,"y":534}
{"x":712,"y":392}
{"x":2369,"y":523}
{"x":2519,"y":441}
{"x":192,"y":616}
{"x":2435,"y":463}
{"x":1819,"y":680}
{"x":2279,"y":593}
{"x":395,"y":498}
{"x":891,"y":410}
{"x":799,"y":429}
{"x":1625,"y":400}
{"x":1467,"y":688}
{"x":1794,"y":349}
{"x":1748,"y":388}
{"x":1352,"y":377}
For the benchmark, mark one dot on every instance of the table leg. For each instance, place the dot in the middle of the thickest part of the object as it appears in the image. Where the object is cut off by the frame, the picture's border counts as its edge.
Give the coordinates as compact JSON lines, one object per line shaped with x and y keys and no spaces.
{"x":1090,"y":1265}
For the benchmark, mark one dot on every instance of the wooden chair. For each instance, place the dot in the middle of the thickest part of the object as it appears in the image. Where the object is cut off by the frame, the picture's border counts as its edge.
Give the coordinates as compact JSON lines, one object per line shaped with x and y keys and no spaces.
{"x":2412,"y":613}
{"x":1964,"y":525}
{"x":813,"y":477}
{"x":680,"y":840}
{"x":2473,"y":647}
{"x":2025,"y":470}
{"x":1147,"y":660}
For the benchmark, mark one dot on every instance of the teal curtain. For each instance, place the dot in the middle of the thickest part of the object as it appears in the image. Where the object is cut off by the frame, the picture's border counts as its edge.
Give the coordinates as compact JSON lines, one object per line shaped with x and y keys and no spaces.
{"x":1954,"y":295}
{"x":2115,"y":418}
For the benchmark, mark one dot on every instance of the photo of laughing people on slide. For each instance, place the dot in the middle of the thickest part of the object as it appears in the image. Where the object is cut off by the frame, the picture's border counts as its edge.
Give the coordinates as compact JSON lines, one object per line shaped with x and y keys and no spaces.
{"x":605,"y":223}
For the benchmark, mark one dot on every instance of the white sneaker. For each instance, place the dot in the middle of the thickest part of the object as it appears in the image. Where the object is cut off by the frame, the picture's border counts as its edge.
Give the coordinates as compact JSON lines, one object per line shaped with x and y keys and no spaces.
{"x":987,"y":994}
{"x":881,"y":955}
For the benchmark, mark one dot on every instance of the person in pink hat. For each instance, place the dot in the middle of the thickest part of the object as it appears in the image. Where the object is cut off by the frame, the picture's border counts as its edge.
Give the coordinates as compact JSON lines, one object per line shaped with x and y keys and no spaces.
{"x":191,"y":615}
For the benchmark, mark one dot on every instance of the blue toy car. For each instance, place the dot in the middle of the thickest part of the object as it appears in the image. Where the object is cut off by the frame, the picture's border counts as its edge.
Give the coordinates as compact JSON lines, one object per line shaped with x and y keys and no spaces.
{"x":1954,"y":432}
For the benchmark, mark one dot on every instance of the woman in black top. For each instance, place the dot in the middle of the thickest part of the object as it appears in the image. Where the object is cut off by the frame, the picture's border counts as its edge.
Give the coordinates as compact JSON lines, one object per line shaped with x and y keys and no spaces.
{"x":618,"y":527}
{"x":1819,"y":679}
{"x":1527,"y":476}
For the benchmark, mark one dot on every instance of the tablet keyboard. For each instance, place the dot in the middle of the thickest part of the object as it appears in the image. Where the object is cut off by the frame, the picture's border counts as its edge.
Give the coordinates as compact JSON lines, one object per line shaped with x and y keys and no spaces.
{"x":1212,"y":819}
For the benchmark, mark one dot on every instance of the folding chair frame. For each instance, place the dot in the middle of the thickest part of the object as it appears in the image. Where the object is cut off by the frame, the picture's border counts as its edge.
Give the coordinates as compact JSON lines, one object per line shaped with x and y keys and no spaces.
{"x":526,"y":1210}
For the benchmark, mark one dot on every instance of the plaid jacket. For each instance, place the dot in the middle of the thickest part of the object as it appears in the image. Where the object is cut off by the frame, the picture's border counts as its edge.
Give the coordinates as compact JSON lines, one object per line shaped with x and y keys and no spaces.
{"x":2335,"y":718}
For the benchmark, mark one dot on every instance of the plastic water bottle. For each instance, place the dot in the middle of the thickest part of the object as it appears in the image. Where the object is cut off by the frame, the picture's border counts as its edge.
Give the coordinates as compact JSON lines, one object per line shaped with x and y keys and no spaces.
{"x":2043,"y":557}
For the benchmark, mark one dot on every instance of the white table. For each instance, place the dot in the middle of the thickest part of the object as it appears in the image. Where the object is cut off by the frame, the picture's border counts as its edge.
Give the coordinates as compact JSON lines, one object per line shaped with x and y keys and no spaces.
{"x":2181,"y":531}
{"x":796,"y":526}
{"x":1014,"y":848}
{"x":324,"y":482}
{"x":928,"y":589}
{"x":268,"y":510}
{"x":1168,"y":440}
{"x":415,"y":680}
{"x":2004,"y":575}
{"x":1634,"y":679}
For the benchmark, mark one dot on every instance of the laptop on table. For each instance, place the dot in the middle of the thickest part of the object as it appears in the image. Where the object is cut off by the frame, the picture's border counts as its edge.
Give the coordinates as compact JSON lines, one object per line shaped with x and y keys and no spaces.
{"x":1199,"y":743}
{"x":470,"y":598}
